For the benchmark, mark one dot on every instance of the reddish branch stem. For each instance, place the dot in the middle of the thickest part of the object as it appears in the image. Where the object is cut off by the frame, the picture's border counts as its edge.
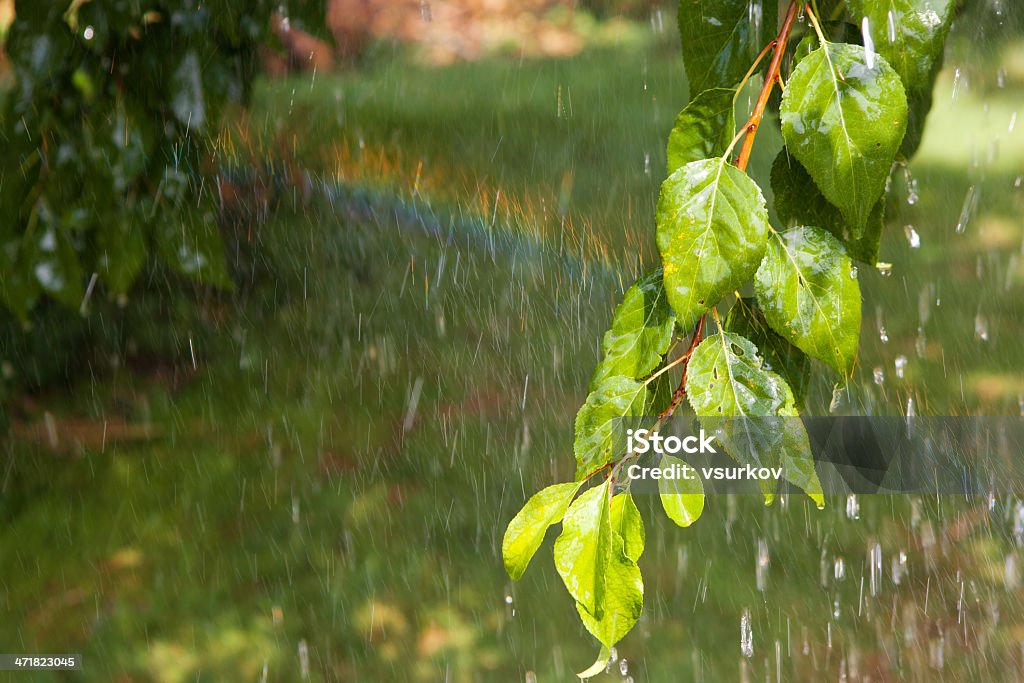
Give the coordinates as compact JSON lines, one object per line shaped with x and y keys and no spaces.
{"x":770,"y":79}
{"x":680,"y":392}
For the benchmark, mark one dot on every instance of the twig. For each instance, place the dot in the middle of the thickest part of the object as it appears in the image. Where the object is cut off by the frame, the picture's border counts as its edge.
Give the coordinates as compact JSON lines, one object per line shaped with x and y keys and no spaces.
{"x":770,"y":78}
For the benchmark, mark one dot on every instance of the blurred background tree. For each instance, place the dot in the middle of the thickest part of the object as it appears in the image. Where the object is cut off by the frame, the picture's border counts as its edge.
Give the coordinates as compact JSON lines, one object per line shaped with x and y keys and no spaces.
{"x":110,"y":130}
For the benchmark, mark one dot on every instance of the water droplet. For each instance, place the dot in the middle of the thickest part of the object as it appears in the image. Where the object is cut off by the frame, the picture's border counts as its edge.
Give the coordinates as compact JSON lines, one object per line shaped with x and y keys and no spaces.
{"x":837,"y":399}
{"x":883,"y":334}
{"x":839,"y":569}
{"x":981,"y":327}
{"x":88,"y":33}
{"x":884,"y":269}
{"x":879,"y":375}
{"x":1018,"y":523}
{"x":763,"y":561}
{"x":304,"y":659}
{"x":891,"y":25}
{"x":899,"y":567}
{"x":913,"y":239}
{"x":624,"y":667}
{"x":1011,"y":573}
{"x":853,"y":272}
{"x":970,"y":204}
{"x":911,"y":181}
{"x":958,"y":82}
{"x":613,"y":655}
{"x":852,"y":506}
{"x":869,"y":44}
{"x":746,"y":635}
{"x":875,"y":563}
{"x":901,"y":366}
{"x":508,"y":599}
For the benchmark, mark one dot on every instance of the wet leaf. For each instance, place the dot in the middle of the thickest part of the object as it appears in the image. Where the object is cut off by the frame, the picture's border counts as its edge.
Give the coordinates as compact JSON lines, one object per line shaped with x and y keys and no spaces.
{"x":640,"y":334}
{"x":703,"y":129}
{"x":910,"y":34}
{"x":683,"y":499}
{"x":627,"y":523}
{"x":583,"y":549}
{"x":624,"y":597}
{"x":122,"y":253}
{"x":720,"y":41}
{"x":526,"y":531}
{"x":844,"y":122}
{"x":18,"y":288}
{"x":599,"y":437}
{"x":727,"y":378}
{"x":747,"y":320}
{"x":55,"y":265}
{"x":712,"y":229}
{"x":599,"y":665}
{"x":798,"y":201}
{"x":809,"y":293}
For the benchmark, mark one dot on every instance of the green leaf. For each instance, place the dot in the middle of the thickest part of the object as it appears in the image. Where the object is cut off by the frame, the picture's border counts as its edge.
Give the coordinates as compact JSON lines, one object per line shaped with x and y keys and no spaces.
{"x":911,"y":36}
{"x":727,"y":378}
{"x":18,"y":289}
{"x":583,"y":548}
{"x":598,"y":436}
{"x":747,"y":320}
{"x":712,"y":229}
{"x":808,"y":290}
{"x":683,"y":499}
{"x":624,"y":588}
{"x":121,"y":252}
{"x":640,"y":334}
{"x":844,"y":122}
{"x":720,"y":41}
{"x":599,"y":665}
{"x":623,"y":599}
{"x":798,"y":201}
{"x":703,"y":129}
{"x":526,"y":531}
{"x":55,"y":263}
{"x":627,"y":523}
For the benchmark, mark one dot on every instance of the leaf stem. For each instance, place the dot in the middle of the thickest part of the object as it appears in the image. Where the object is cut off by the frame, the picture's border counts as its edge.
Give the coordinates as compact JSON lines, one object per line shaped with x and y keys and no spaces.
{"x":816,"y":25}
{"x":680,"y":392}
{"x":750,"y":72}
{"x":770,"y":78}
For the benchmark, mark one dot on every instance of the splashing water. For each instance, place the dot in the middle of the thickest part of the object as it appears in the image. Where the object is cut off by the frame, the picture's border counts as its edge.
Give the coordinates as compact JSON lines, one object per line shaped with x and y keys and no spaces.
{"x":746,"y":635}
{"x":869,"y":44}
{"x":875,"y":563}
{"x":913,"y":239}
{"x":970,"y":204}
{"x":852,"y":507}
{"x":763,"y":561}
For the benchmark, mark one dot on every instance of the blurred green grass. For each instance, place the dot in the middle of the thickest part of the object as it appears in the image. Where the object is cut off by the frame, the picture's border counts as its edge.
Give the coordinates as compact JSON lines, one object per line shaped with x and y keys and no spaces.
{"x":372,"y":407}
